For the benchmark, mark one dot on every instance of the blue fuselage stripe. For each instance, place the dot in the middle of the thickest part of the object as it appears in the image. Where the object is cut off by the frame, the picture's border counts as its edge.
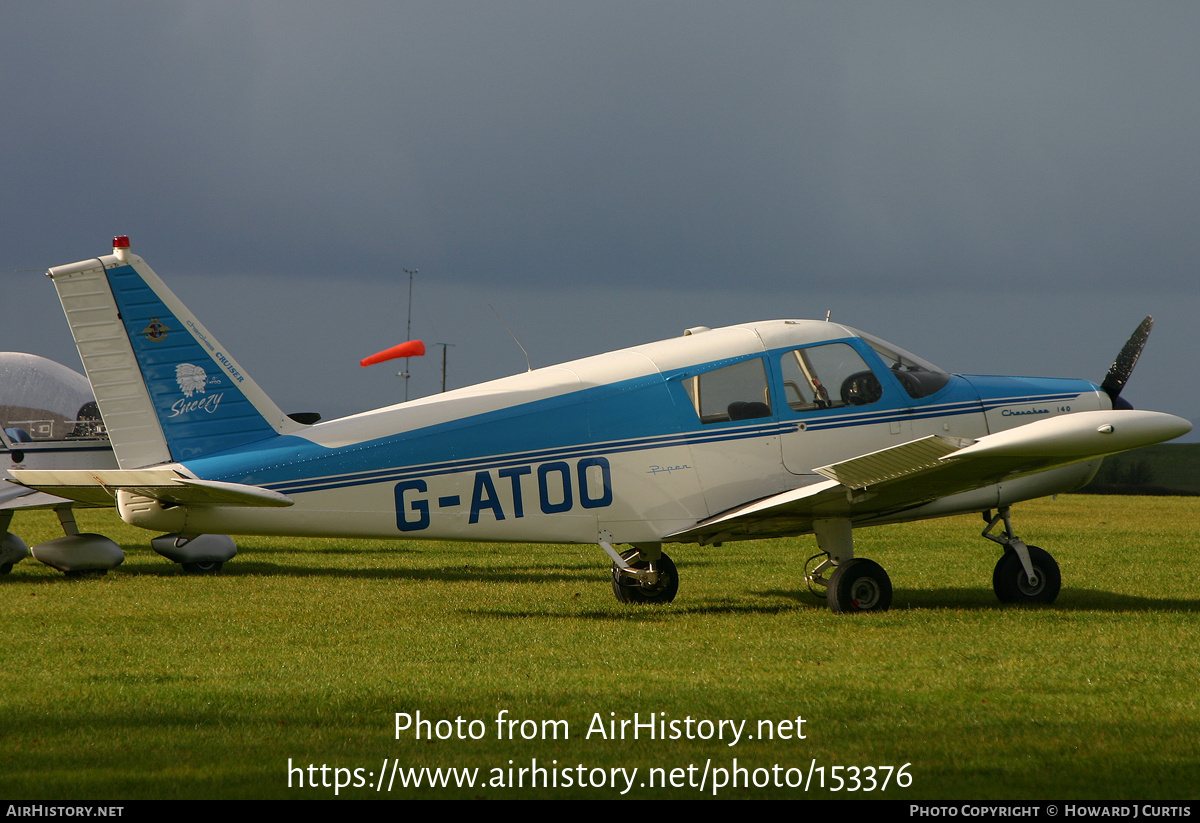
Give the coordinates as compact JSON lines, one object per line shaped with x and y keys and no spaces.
{"x":648,"y":443}
{"x":504,"y":461}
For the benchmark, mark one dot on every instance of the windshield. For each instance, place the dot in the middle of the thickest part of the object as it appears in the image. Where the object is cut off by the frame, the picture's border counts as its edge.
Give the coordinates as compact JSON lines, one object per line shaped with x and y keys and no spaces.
{"x":920,"y":378}
{"x":44,"y":400}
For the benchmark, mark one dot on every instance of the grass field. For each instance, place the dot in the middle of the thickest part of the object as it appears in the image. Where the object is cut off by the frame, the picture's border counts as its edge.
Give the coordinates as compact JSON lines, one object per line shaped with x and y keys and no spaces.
{"x":148,"y":683}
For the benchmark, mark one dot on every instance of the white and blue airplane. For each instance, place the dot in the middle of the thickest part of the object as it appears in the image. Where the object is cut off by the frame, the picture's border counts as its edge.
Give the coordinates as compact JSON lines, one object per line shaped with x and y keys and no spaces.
{"x":769,"y":429}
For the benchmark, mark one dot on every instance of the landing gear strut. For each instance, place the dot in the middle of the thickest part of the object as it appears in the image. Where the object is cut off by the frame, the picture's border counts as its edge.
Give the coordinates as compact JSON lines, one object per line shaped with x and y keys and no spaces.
{"x":856,"y":584}
{"x":1024,"y":574}
{"x":643,"y":574}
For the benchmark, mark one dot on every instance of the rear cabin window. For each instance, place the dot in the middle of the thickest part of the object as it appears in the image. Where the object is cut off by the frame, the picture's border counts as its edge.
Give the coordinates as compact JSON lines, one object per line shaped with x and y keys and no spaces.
{"x":828,"y":377}
{"x":737,"y":392}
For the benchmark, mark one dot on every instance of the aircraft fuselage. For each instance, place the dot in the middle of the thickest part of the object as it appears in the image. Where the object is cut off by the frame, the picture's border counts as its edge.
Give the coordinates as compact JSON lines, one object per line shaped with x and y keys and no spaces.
{"x":634,"y":444}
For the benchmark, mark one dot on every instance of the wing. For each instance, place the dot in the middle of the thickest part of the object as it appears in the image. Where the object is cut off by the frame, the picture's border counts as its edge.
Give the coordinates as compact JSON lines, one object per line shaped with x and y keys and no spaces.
{"x":99,"y":487}
{"x":886,"y":483}
{"x":14,"y":497}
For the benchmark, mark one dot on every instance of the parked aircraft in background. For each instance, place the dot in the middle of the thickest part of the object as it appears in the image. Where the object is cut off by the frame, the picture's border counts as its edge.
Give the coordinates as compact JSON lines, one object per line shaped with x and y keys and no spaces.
{"x":49,"y":420}
{"x":768,"y":429}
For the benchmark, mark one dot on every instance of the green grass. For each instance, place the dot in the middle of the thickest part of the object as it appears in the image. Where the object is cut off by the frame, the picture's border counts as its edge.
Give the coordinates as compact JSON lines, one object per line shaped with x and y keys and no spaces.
{"x":149,"y":683}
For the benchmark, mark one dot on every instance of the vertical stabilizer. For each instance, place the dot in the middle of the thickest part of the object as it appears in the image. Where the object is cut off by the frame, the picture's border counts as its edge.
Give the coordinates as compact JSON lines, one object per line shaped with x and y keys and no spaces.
{"x":166,"y":388}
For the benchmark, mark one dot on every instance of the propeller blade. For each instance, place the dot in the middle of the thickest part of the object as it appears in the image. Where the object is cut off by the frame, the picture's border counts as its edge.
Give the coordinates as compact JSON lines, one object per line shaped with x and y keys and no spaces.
{"x":1122,"y":367}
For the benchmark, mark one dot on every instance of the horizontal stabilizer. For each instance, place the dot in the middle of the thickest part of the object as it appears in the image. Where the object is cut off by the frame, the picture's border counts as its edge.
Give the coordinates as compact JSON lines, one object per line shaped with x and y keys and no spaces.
{"x":164,"y":485}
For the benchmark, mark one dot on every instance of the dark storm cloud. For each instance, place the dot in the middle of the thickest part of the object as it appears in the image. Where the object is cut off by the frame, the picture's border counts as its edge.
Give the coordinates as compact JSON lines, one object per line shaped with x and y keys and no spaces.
{"x":1048,"y":145}
{"x":685,"y":142}
{"x":1009,"y":180}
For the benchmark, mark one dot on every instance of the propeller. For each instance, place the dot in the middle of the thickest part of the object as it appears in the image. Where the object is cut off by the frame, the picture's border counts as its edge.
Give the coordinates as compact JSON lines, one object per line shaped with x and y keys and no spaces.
{"x":1122,"y":367}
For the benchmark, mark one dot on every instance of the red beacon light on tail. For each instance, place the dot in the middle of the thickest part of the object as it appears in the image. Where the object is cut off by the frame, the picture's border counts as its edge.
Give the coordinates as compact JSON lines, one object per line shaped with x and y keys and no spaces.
{"x":121,"y":247}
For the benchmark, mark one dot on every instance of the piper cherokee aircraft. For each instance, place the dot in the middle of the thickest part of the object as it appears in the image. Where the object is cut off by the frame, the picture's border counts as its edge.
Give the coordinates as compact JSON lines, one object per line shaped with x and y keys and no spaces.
{"x":768,"y":429}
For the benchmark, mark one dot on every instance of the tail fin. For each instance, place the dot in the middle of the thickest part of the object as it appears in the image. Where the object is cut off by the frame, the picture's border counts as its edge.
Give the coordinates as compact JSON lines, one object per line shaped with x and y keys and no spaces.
{"x":166,"y":388}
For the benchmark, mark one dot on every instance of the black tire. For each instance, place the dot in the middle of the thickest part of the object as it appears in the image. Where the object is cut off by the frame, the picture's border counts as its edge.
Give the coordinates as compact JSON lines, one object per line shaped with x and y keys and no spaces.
{"x":203,"y":567}
{"x":5,"y":568}
{"x":859,"y":585}
{"x":629,"y":590}
{"x":1012,"y":586}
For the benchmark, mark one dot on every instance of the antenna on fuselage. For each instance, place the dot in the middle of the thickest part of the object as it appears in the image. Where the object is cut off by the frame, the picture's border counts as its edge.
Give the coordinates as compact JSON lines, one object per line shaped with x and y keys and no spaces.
{"x":827,"y":313}
{"x":513,"y":336}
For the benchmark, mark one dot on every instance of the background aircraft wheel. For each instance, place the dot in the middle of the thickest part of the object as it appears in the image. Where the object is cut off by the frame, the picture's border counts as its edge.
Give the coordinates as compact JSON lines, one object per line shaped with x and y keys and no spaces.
{"x":5,"y":568}
{"x":629,"y":590}
{"x":1012,"y":586}
{"x":208,"y":567}
{"x":859,"y":585}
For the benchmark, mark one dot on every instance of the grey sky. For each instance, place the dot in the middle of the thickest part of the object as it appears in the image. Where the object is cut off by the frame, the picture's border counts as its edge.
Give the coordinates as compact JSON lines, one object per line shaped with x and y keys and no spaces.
{"x":1003,"y":187}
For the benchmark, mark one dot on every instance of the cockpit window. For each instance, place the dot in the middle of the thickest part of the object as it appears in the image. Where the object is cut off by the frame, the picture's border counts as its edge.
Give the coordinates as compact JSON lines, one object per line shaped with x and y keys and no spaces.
{"x":920,"y":378}
{"x":737,"y":392}
{"x":826,"y":377}
{"x":43,"y":400}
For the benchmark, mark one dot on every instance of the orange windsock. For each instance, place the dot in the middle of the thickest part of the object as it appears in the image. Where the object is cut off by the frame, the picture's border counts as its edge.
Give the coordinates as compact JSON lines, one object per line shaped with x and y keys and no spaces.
{"x":412,"y":348}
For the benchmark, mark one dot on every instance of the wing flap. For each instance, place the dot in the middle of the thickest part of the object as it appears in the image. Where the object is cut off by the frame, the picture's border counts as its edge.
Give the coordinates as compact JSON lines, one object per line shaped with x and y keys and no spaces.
{"x":894,"y":463}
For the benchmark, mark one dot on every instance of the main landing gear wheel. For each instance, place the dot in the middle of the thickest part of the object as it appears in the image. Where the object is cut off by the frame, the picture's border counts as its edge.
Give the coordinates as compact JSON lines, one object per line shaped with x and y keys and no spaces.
{"x":859,"y":585}
{"x":208,"y":567}
{"x":631,"y":590}
{"x":1012,"y":585}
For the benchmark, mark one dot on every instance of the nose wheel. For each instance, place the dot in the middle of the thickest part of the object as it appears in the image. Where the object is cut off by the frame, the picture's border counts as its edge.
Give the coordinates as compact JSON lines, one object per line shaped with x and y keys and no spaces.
{"x":1013,"y":585}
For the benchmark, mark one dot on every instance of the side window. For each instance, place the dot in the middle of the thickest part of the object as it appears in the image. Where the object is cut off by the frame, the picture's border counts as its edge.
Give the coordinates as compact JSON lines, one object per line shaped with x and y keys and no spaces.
{"x":798,"y":387}
{"x":24,"y":425}
{"x":827,"y":377}
{"x":737,"y":392}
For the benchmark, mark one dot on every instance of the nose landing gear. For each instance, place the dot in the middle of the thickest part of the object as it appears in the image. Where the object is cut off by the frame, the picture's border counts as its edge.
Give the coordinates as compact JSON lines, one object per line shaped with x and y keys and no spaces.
{"x":1024,"y":574}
